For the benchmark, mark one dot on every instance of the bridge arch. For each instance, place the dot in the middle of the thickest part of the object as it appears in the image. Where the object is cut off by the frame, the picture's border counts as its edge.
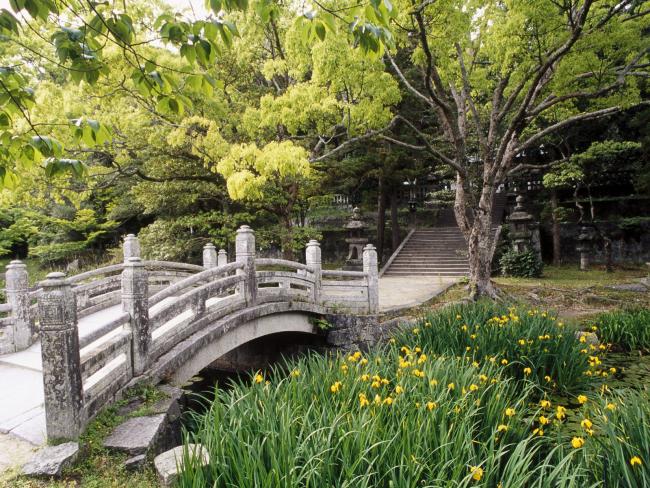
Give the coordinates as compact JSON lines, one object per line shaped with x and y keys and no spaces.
{"x":196,"y":353}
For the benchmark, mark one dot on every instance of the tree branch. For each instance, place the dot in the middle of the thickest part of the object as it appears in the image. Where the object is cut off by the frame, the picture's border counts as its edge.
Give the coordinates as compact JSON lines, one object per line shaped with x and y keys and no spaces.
{"x":571,"y":120}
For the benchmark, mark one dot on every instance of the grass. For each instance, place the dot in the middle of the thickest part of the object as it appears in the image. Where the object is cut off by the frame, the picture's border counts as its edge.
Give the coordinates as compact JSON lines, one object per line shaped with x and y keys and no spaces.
{"x":527,"y":343}
{"x":577,"y":294}
{"x":628,"y":329}
{"x":571,"y":276}
{"x":369,"y":421}
{"x":618,"y":453}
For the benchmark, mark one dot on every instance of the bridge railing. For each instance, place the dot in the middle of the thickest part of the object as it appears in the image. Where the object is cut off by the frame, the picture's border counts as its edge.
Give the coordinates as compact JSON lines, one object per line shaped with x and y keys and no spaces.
{"x":83,"y":372}
{"x":95,"y":290}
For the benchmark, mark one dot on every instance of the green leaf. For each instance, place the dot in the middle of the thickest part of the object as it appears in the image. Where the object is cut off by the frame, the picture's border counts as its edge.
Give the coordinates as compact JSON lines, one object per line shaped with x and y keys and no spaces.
{"x":5,"y":120}
{"x":320,"y":30}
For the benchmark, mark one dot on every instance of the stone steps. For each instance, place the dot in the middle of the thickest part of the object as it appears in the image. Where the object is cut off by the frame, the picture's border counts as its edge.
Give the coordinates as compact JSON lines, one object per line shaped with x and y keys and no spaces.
{"x":440,"y":251}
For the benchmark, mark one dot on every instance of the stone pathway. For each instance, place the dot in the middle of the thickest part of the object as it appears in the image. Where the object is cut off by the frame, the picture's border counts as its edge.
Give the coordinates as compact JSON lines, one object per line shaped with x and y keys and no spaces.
{"x":14,"y":453}
{"x":399,"y":292}
{"x":22,"y":414}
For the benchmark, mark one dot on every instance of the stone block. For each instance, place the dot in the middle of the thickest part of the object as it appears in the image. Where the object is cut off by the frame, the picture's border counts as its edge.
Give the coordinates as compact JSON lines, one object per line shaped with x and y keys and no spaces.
{"x":52,"y":460}
{"x":169,"y":464}
{"x":138,"y":435}
{"x":636,"y":287}
{"x":135,"y":463}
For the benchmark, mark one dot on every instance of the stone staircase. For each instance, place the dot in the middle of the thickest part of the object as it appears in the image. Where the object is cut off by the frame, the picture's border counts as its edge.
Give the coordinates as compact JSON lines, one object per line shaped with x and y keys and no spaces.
{"x":439,"y":251}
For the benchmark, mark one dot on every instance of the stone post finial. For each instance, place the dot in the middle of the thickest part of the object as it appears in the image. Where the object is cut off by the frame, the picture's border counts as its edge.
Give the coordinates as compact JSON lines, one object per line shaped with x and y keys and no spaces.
{"x":313,"y":259}
{"x":209,"y":256}
{"x":62,"y":383}
{"x":135,"y":301}
{"x":222,"y":257}
{"x":131,"y":247}
{"x":245,"y":253}
{"x":370,"y":267}
{"x":17,"y":288}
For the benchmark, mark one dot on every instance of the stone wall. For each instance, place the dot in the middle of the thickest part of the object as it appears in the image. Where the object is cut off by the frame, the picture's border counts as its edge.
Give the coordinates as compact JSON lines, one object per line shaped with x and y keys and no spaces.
{"x":627,"y":247}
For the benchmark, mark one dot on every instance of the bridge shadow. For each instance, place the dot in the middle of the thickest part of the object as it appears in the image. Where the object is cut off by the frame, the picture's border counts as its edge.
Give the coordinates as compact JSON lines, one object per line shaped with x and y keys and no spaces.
{"x":259,"y":355}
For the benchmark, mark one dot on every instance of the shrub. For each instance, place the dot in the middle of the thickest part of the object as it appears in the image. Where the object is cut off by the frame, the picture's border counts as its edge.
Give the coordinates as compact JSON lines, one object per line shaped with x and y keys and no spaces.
{"x":396,"y":417}
{"x":628,"y":329}
{"x":524,"y":264}
{"x":513,"y":338}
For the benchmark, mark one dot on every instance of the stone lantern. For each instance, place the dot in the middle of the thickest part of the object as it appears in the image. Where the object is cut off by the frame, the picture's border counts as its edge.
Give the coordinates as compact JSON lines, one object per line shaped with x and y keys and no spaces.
{"x":585,"y":246}
{"x":521,"y":224}
{"x":356,"y":241}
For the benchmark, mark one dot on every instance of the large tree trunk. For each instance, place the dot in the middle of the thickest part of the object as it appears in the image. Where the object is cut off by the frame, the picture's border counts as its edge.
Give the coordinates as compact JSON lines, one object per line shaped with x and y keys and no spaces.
{"x":555,"y":230}
{"x":381,"y":220}
{"x":479,"y":243}
{"x":394,"y":221}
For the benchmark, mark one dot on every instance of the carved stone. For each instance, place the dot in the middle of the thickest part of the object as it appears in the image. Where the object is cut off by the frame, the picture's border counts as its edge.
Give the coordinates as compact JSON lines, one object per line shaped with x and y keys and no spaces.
{"x":222,"y":257}
{"x":313,"y":258}
{"x":18,"y":298}
{"x":135,"y":292}
{"x":245,"y":253}
{"x":370,"y":267}
{"x":209,"y":256}
{"x":64,"y":413}
{"x":131,"y":247}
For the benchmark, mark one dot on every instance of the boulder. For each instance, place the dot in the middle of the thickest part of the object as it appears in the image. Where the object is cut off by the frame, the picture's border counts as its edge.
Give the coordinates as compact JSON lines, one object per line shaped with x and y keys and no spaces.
{"x":169,"y":464}
{"x":137,"y":435}
{"x":590,"y":338}
{"x":52,"y":460}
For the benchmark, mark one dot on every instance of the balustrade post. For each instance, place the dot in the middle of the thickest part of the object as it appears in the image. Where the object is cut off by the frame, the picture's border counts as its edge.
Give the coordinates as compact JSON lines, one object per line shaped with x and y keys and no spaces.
{"x":222,"y":257}
{"x":17,"y":282}
{"x":62,"y":383}
{"x":209,"y":256}
{"x":372,"y":271}
{"x":131,"y":247}
{"x":135,"y":301}
{"x":313,"y":259}
{"x":245,"y":253}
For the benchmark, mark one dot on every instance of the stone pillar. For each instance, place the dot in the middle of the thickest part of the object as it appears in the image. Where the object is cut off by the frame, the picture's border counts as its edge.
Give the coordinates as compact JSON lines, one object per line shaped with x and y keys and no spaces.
{"x":209,"y":256}
{"x":222,"y":257}
{"x":313,"y":258}
{"x":585,"y":246}
{"x":18,"y":297}
{"x":370,"y":267}
{"x":57,"y":310}
{"x":131,"y":247}
{"x":135,"y":293}
{"x":245,"y":253}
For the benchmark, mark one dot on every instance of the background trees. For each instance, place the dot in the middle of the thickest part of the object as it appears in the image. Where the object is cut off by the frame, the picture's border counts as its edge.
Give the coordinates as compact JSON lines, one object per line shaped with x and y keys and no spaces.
{"x":179,"y":121}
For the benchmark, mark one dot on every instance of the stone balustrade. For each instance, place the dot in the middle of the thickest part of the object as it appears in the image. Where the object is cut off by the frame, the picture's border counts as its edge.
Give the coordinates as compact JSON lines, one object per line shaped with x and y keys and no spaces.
{"x":163,"y":304}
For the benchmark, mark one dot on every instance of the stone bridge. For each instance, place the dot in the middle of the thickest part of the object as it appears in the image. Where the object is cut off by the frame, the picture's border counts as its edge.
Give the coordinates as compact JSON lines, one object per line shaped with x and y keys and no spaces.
{"x":105,"y":330}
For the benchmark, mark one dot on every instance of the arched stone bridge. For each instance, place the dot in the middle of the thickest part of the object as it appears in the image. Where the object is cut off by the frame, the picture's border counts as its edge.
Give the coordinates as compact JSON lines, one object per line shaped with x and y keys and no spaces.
{"x":107,"y":329}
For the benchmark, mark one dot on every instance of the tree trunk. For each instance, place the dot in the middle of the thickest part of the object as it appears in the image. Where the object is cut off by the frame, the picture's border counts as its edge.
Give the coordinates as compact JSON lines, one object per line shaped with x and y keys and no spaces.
{"x":286,"y":238}
{"x":480,"y":247}
{"x":394,"y":221}
{"x":555,"y":229}
{"x":381,"y":220}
